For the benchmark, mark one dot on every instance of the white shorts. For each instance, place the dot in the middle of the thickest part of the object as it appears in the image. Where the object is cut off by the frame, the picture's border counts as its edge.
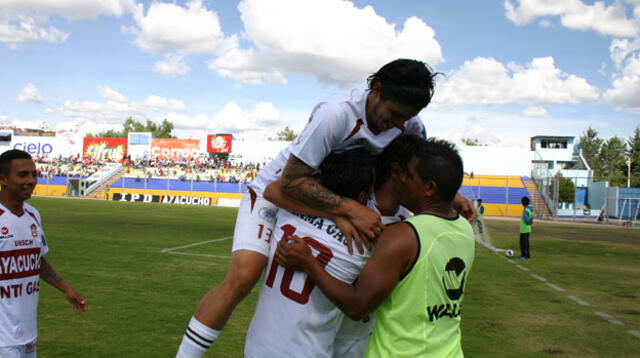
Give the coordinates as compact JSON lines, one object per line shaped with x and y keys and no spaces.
{"x":254,"y":224}
{"x":352,"y":338}
{"x":24,"y":351}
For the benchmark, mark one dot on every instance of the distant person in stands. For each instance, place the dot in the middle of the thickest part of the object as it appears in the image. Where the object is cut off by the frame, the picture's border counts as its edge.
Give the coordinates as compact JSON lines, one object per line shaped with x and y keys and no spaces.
{"x":22,"y":264}
{"x":480,"y":219}
{"x":525,"y":228}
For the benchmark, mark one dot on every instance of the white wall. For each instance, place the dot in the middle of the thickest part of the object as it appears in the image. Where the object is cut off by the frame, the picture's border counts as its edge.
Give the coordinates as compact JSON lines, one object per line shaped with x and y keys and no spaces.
{"x":497,"y":160}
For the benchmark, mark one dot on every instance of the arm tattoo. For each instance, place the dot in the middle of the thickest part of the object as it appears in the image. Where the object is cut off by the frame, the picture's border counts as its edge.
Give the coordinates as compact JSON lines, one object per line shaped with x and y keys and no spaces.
{"x":49,"y":274}
{"x":296,"y":182}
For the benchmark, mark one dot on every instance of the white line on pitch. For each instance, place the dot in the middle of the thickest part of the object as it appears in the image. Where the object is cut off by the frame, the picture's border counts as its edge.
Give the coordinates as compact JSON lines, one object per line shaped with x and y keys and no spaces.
{"x":539,"y":278}
{"x":194,"y":244}
{"x":192,"y":254}
{"x":609,"y":318}
{"x":522,"y":268}
{"x":555,"y":287}
{"x":634,"y":333}
{"x":578,"y":300}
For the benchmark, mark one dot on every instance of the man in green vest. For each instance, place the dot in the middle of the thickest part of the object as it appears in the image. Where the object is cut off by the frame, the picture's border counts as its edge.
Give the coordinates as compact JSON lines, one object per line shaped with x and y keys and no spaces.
{"x":525,"y":228}
{"x":480,"y":218}
{"x":415,"y":280}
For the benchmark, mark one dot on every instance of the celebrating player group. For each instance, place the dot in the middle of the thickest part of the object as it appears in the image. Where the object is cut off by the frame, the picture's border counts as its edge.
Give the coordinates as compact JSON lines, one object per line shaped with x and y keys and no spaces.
{"x":359,"y":229}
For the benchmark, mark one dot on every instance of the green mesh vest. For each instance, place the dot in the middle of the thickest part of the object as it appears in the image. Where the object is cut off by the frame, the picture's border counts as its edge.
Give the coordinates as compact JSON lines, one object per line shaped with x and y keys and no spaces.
{"x":421,"y":316}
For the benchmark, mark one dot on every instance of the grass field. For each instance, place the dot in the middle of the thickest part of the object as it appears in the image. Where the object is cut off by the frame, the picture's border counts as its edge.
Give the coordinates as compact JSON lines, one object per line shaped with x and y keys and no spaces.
{"x":133,"y":263}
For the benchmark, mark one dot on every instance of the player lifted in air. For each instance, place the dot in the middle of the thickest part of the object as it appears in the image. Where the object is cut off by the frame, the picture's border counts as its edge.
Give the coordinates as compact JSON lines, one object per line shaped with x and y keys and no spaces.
{"x":365,"y":117}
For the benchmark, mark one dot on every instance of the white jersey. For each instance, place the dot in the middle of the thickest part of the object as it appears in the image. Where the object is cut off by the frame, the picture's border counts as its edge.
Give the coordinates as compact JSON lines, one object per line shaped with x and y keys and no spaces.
{"x":293,"y":318}
{"x":353,"y":336}
{"x":336,"y":124}
{"x":22,"y":244}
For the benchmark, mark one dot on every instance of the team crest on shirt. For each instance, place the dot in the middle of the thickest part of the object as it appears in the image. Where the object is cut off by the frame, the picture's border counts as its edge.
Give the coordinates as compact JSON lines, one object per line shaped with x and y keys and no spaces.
{"x":5,"y":233}
{"x":34,"y":230}
{"x":268,"y":214}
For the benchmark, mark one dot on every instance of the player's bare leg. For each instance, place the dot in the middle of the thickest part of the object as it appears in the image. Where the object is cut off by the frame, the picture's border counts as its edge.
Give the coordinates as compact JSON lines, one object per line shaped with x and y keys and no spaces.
{"x":216,"y":306}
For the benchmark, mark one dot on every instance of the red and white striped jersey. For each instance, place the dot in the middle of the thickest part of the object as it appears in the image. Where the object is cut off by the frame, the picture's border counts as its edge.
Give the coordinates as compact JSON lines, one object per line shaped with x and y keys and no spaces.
{"x":22,"y":244}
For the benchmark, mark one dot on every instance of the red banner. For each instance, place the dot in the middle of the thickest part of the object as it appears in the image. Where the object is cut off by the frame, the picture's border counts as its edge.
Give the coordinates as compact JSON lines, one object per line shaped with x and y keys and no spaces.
{"x":219,"y":143}
{"x":175,"y":149}
{"x":105,"y":148}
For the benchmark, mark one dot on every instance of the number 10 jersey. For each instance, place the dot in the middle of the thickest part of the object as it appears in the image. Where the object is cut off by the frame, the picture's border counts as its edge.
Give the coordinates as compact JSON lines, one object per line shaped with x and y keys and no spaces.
{"x":293,"y":318}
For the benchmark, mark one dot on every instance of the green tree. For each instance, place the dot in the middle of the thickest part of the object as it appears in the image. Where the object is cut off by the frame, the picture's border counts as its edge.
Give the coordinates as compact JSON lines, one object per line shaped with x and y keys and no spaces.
{"x":591,"y":145}
{"x":470,"y":142}
{"x":634,"y":155}
{"x":163,"y":130}
{"x":566,"y":190}
{"x":613,"y":160}
{"x":287,"y":134}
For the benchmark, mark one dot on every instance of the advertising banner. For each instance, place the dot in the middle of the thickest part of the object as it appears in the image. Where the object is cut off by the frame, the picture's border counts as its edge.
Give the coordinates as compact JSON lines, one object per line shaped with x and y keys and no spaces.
{"x":69,"y":138}
{"x":219,"y":143}
{"x":165,"y":199}
{"x":174,"y":149}
{"x":105,"y":148}
{"x":37,"y":146}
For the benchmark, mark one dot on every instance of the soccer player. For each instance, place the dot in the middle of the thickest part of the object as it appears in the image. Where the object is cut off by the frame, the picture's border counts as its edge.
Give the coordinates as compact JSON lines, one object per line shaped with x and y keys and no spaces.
{"x":291,"y":317}
{"x":480,"y":219}
{"x":22,"y":247}
{"x":525,"y":228}
{"x":352,"y":337}
{"x":416,"y":277}
{"x":368,"y":117}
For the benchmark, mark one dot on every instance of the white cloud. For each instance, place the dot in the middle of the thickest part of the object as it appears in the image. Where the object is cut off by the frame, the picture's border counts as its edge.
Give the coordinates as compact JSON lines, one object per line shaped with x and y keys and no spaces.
{"x":24,"y":29}
{"x":172,"y":65}
{"x":259,"y":122}
{"x":31,"y":94}
{"x":110,"y":94}
{"x":24,"y":20}
{"x":72,"y":9}
{"x":332,"y":40}
{"x":116,"y":108}
{"x":625,"y":94}
{"x":535,"y":112}
{"x":485,"y":81}
{"x":574,"y":14}
{"x":168,"y":27}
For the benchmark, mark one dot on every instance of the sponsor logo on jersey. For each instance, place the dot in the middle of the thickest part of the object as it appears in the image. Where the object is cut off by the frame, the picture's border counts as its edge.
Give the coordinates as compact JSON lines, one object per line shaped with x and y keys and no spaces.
{"x":5,"y":233}
{"x":453,"y":282}
{"x":19,"y":263}
{"x":34,"y":230}
{"x":268,"y":214}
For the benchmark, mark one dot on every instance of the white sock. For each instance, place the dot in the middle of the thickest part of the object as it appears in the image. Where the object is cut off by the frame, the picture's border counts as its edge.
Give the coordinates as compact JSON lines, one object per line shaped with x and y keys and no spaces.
{"x":196,"y":340}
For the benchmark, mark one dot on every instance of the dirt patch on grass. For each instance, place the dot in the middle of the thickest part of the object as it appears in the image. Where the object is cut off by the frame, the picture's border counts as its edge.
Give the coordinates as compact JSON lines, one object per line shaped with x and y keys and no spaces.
{"x":553,"y":351}
{"x":132,"y":224}
{"x":488,"y":325}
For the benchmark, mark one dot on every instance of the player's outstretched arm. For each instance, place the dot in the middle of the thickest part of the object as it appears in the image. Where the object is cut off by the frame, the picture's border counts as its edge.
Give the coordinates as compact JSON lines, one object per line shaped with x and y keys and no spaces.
{"x":465,"y":207}
{"x":395,"y":252}
{"x":51,"y":276}
{"x":296,"y":182}
{"x":274,"y":194}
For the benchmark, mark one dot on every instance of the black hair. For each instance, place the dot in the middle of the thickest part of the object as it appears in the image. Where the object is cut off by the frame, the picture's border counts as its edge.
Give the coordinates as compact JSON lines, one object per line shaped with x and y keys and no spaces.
{"x":7,"y":157}
{"x":525,"y":201}
{"x":409,"y":82}
{"x":348,"y":173}
{"x":441,"y":163}
{"x":397,"y":154}
{"x":480,"y":201}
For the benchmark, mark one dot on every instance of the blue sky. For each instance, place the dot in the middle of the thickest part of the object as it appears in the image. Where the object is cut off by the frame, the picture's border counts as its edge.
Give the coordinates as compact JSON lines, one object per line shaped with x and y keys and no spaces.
{"x":514,"y":68}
